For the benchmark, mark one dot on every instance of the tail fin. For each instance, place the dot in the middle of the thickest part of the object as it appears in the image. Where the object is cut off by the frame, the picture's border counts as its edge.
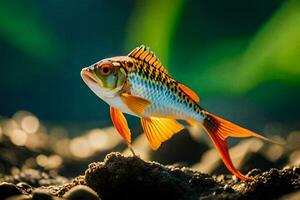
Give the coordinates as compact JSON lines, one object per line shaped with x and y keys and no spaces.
{"x":218,"y":130}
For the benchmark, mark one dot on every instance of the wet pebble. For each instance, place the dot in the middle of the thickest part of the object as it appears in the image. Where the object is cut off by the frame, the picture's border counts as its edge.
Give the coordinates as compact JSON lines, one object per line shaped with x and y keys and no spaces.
{"x":19,"y":197}
{"x":291,"y":196}
{"x":8,"y":189}
{"x":24,"y":186}
{"x":167,"y":154}
{"x":41,"y":195}
{"x":254,"y":172}
{"x":81,"y":192}
{"x":296,"y":170}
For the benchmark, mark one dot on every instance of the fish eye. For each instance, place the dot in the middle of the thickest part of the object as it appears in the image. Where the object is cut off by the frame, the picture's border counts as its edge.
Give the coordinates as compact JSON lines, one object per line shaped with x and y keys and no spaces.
{"x":105,"y":70}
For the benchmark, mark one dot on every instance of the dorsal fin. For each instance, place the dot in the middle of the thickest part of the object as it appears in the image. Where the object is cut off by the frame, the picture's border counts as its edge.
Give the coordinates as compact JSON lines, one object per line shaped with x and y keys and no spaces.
{"x":189,"y":92}
{"x":144,"y":54}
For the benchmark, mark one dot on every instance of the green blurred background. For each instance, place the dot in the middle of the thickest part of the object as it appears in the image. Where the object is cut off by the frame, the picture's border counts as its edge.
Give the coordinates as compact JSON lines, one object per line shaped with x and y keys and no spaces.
{"x":241,"y":57}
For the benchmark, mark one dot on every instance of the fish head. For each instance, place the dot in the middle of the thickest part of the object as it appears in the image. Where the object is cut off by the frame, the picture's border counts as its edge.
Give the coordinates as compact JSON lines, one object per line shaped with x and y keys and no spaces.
{"x":107,"y":77}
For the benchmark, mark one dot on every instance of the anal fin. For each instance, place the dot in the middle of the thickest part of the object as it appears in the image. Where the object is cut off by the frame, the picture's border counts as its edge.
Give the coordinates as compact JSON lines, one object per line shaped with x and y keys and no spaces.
{"x":158,"y":130}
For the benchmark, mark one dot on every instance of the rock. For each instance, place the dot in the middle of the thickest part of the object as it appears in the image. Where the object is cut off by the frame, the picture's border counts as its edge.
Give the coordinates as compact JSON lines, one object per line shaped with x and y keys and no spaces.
{"x":270,"y":184}
{"x":246,"y":155}
{"x":175,"y":150}
{"x":8,"y":189}
{"x":81,"y":192}
{"x":25,"y":187}
{"x":255,"y":160}
{"x":79,"y":180}
{"x":19,"y":197}
{"x":172,"y":151}
{"x":35,"y":178}
{"x":120,"y":177}
{"x":133,"y":178}
{"x":292,"y":196}
{"x":210,"y":161}
{"x":12,"y":156}
{"x":39,"y":194}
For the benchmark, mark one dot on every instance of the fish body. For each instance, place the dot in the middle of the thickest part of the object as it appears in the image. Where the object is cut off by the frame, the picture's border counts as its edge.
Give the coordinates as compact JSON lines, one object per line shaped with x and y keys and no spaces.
{"x":139,"y":85}
{"x":167,"y":99}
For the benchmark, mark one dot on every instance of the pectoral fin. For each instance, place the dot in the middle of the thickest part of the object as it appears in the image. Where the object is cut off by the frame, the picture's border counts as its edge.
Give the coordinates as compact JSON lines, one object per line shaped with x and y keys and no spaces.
{"x":159,"y":130}
{"x":121,"y":125}
{"x":135,"y":103}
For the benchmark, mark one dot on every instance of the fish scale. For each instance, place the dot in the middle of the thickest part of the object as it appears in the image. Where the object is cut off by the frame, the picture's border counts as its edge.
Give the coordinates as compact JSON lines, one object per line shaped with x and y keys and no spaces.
{"x":145,"y":82}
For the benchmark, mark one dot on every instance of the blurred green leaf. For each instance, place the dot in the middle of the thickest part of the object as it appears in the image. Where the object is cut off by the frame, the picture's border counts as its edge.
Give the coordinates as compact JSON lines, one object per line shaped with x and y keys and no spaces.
{"x":214,"y":69}
{"x":153,"y":23}
{"x":25,"y":31}
{"x":273,"y":54}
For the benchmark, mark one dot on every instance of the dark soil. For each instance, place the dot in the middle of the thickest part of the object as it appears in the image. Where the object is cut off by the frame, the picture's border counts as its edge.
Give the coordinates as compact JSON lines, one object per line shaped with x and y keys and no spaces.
{"x":120,"y":177}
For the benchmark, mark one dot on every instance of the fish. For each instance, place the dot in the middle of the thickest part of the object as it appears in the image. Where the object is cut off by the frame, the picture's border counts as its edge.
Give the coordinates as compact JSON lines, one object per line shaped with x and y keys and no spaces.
{"x":138,"y":84}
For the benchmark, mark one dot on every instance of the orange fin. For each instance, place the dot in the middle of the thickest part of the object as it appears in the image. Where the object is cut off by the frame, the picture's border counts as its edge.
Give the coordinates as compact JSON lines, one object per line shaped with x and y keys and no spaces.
{"x":135,"y":103}
{"x":229,"y":129}
{"x":189,"y":92}
{"x":144,"y":54}
{"x":159,"y":130}
{"x":121,"y":125}
{"x":218,"y":135}
{"x":219,"y":130}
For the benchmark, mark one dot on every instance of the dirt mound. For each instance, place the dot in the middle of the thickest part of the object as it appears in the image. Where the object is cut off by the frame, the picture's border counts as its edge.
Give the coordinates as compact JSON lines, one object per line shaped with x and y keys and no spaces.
{"x":120,"y":177}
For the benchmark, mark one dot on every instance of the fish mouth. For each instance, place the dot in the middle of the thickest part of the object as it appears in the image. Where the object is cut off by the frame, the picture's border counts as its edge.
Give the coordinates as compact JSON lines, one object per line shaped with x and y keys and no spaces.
{"x":87,"y":76}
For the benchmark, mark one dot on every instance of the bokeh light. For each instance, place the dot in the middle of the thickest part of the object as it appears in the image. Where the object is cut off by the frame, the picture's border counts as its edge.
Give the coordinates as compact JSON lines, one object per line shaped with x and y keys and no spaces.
{"x":54,"y":161}
{"x":0,"y":132}
{"x":30,"y":124}
{"x":98,"y":139}
{"x":62,"y":147}
{"x":80,"y":147}
{"x":274,"y":152}
{"x":295,"y":158}
{"x":41,"y":160}
{"x":293,"y":139}
{"x":49,"y":162}
{"x":18,"y":137}
{"x":38,"y":140}
{"x":9,"y":126}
